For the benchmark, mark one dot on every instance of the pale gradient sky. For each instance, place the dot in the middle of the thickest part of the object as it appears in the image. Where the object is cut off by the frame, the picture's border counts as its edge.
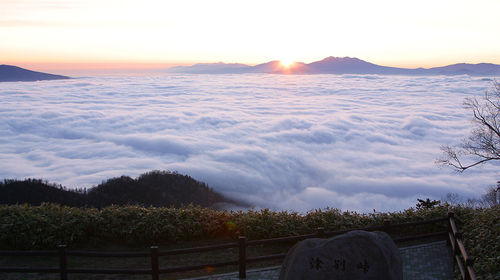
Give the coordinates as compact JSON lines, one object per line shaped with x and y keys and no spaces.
{"x":387,"y":32}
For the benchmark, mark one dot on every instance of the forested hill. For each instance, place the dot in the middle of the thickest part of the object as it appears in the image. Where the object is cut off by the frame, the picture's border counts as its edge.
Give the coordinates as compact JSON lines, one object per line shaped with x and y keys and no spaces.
{"x":155,"y":188}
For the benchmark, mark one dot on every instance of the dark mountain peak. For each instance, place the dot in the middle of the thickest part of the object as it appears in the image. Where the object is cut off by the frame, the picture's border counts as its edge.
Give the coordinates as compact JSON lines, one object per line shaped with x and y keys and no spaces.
{"x":483,"y":64}
{"x":268,"y":67}
{"x":220,"y":63}
{"x":339,"y":65}
{"x":210,"y":68}
{"x":273,"y":62}
{"x":10,"y":73}
{"x":345,"y":65}
{"x":479,"y":69}
{"x":341,"y":59}
{"x":9,"y":66}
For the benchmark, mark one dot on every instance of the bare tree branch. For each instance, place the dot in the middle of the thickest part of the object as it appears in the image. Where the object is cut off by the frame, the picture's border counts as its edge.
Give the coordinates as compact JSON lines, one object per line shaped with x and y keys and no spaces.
{"x":483,"y":145}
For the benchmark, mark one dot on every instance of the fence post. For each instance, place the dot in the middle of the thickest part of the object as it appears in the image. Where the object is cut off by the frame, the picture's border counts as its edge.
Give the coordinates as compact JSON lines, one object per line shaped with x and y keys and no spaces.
{"x":320,"y":232}
{"x":458,"y":235}
{"x":450,"y":230}
{"x":63,"y":265}
{"x":467,"y":275}
{"x":155,"y":270}
{"x":242,"y":240}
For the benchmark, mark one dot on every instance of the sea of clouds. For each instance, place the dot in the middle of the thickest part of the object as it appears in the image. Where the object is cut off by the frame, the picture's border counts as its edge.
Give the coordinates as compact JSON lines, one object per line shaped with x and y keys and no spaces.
{"x":355,"y":142}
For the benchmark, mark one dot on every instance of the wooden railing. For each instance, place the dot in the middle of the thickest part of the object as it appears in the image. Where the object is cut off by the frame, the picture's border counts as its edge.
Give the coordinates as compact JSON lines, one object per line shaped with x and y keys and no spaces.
{"x":452,"y":235}
{"x":464,"y":262}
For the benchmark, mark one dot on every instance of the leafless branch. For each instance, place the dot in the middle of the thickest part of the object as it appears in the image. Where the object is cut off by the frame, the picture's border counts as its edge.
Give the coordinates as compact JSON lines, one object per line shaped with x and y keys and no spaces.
{"x":483,"y":145}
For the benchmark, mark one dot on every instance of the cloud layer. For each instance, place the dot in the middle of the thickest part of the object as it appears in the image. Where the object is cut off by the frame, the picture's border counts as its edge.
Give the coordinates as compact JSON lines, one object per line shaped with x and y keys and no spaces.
{"x":278,"y":141}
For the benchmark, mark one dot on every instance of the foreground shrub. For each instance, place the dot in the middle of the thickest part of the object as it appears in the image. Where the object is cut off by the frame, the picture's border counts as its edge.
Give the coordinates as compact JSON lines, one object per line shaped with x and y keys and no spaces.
{"x":48,"y":225}
{"x":481,"y":231}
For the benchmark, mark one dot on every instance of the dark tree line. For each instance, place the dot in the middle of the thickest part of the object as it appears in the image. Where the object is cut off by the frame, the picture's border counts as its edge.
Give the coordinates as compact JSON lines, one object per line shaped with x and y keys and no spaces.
{"x":155,"y":188}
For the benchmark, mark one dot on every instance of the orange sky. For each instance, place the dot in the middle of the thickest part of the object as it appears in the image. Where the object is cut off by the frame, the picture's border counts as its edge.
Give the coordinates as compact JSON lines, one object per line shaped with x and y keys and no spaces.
{"x":92,"y":34}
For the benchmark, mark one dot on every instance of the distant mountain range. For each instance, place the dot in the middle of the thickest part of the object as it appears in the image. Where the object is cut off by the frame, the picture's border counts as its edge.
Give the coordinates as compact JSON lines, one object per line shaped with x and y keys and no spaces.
{"x":9,"y":73}
{"x":329,"y":65}
{"x":336,"y":65}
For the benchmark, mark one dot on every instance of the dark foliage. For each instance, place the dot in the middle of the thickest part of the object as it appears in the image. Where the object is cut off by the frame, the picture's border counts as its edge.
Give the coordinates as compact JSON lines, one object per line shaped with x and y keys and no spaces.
{"x":36,"y":191}
{"x":427,"y":204}
{"x":155,"y":188}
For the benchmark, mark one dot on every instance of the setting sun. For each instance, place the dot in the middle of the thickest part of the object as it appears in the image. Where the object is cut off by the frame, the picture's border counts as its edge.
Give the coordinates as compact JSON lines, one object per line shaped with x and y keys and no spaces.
{"x":286,"y":62}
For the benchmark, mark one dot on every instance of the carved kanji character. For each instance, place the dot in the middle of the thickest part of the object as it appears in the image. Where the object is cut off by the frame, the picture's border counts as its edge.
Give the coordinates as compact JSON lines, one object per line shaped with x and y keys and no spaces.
{"x":315,"y":263}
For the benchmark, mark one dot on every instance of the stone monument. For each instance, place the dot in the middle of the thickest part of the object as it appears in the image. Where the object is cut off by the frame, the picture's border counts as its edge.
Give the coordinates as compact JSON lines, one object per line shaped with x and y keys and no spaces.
{"x":355,"y":255}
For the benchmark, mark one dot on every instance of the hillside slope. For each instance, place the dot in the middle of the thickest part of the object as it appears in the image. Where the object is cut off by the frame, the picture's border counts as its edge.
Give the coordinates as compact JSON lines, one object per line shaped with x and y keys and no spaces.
{"x":9,"y":73}
{"x":155,"y":188}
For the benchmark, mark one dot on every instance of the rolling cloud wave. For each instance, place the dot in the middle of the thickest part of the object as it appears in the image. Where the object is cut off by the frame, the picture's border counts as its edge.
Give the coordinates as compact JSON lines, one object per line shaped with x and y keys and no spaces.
{"x":285,"y":142}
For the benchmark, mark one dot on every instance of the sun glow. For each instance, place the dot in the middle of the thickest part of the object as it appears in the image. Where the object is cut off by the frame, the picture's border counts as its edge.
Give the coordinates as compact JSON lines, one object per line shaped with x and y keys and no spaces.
{"x":286,"y":62}
{"x":79,"y":31}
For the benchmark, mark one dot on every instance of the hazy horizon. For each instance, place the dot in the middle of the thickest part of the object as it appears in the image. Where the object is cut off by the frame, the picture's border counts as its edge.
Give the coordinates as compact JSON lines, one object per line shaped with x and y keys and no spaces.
{"x":103,"y":69}
{"x":388,"y":32}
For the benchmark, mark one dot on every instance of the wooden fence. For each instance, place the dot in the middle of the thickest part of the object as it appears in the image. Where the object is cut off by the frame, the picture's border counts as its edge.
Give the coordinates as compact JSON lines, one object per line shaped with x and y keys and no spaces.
{"x":464,"y":262}
{"x":453,"y":237}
